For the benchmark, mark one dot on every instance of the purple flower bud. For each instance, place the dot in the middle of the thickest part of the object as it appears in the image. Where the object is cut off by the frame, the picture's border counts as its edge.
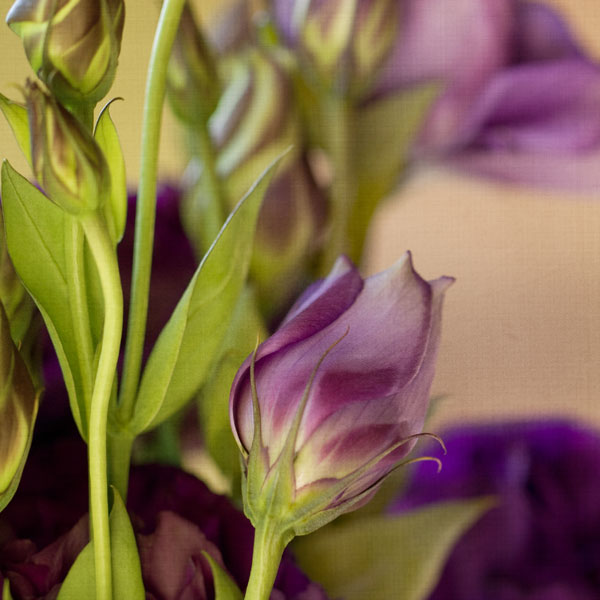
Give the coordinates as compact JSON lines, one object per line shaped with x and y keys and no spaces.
{"x":542,"y":539}
{"x":341,"y":391}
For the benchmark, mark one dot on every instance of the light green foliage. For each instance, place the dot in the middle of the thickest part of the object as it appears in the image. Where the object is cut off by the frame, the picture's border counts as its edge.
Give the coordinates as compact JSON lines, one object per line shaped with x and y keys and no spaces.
{"x":16,"y":115}
{"x":35,"y":236}
{"x":188,"y":345}
{"x":115,"y":209}
{"x":80,"y":583}
{"x":386,"y":556}
{"x":225,"y":587}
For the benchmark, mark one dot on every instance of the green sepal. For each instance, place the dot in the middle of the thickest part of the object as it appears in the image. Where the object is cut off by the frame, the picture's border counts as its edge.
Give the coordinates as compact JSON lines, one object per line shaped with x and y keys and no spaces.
{"x":16,"y":115}
{"x":80,"y":582}
{"x":385,"y":557}
{"x":115,"y":209}
{"x":187,"y":347}
{"x":35,"y":237}
{"x":213,"y":402}
{"x":225,"y":587}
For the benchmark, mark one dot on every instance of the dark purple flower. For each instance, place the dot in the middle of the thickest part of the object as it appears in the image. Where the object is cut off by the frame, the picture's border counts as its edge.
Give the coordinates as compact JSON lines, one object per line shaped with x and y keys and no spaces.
{"x":345,"y":380}
{"x":521,"y":99}
{"x":174,"y":515}
{"x":542,"y":540}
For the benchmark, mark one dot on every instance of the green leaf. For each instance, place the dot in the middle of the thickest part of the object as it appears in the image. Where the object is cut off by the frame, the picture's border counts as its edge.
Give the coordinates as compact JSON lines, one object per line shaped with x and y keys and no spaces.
{"x":16,"y":115}
{"x":383,"y":135}
{"x":389,"y":556}
{"x":35,"y":237}
{"x":6,"y":595}
{"x":80,"y":583}
{"x":115,"y":210}
{"x":225,"y":587}
{"x":189,"y":344}
{"x":213,"y":402}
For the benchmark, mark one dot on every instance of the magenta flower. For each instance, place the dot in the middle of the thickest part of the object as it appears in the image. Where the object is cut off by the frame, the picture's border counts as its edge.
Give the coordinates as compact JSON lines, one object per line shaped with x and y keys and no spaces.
{"x":342,"y":386}
{"x":521,"y":99}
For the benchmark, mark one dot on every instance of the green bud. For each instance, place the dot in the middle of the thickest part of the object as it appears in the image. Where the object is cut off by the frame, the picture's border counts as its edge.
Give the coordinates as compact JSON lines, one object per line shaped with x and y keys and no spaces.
{"x":346,"y":41}
{"x":18,"y":409}
{"x":67,"y":162}
{"x":72,"y":45}
{"x":192,"y":79}
{"x":18,"y":305}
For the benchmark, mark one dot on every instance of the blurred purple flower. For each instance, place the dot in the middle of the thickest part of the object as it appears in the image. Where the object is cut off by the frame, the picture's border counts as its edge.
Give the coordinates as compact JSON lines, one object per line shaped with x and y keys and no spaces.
{"x":542,"y":541}
{"x":174,"y":515}
{"x":369,"y":394}
{"x":521,"y":99}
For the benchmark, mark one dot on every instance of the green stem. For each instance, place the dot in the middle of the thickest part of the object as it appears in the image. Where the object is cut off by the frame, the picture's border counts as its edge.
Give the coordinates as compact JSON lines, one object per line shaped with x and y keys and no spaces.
{"x":337,"y":116}
{"x":266,"y":556}
{"x":119,"y":458}
{"x":146,"y":203}
{"x":74,"y":250}
{"x":108,"y":270}
{"x":214,"y":209}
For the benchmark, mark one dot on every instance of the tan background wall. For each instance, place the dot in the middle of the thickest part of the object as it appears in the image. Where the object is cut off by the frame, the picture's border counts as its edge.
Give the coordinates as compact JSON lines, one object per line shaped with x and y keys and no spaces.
{"x":522,"y":323}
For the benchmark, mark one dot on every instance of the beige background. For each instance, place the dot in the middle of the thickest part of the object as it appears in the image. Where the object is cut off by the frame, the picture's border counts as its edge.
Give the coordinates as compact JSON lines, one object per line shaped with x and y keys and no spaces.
{"x":522,"y":323}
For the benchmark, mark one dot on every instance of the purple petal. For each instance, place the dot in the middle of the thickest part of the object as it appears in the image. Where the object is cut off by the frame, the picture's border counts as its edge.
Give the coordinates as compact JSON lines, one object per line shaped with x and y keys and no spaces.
{"x":542,"y":34}
{"x":318,"y":307}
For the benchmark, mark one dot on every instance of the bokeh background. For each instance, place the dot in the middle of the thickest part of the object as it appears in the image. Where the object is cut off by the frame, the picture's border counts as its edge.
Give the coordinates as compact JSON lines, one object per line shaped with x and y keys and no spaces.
{"x":522,"y":323}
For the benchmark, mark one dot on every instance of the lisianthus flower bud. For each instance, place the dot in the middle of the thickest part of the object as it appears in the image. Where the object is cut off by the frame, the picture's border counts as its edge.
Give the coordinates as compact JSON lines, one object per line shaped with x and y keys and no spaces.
{"x":18,"y":408}
{"x":67,"y":162}
{"x":334,"y":400}
{"x":343,"y":42}
{"x":73,"y":46}
{"x":192,"y":80}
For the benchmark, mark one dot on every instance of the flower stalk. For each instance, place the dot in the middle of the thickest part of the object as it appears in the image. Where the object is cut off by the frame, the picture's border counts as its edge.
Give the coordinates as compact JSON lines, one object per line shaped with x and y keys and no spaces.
{"x":146,"y":215}
{"x":106,"y":263}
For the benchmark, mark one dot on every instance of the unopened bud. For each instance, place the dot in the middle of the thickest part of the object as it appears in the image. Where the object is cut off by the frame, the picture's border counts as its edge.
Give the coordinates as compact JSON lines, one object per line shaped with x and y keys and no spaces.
{"x":18,"y":408}
{"x":192,"y":80}
{"x":67,"y":161}
{"x":73,"y":46}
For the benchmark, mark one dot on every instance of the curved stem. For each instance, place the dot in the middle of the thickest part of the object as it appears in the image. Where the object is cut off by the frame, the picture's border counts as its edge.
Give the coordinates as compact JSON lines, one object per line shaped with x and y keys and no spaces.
{"x":146,"y":203}
{"x":108,"y":270}
{"x":338,"y":119}
{"x":74,"y":249}
{"x":266,"y":556}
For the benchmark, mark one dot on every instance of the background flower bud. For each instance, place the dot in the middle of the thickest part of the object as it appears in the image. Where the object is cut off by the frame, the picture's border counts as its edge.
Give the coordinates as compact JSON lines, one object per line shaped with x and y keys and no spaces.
{"x":192,"y":79}
{"x":343,"y":42}
{"x":72,"y":46}
{"x":67,"y":162}
{"x":18,"y":407}
{"x":341,"y":389}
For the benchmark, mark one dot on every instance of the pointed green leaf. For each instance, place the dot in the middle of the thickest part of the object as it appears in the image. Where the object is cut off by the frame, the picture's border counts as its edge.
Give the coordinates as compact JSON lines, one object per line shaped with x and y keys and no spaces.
{"x":115,"y":210}
{"x":225,"y":587}
{"x":189,"y":344}
{"x":80,"y":583}
{"x":16,"y":115}
{"x":35,"y":237}
{"x":6,"y":595}
{"x":384,"y":133}
{"x":388,"y":556}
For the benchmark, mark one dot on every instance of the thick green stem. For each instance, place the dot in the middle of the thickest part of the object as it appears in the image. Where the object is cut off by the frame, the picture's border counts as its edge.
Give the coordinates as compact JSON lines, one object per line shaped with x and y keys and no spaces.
{"x":74,"y":251}
{"x":266,"y":556}
{"x":146,"y":203}
{"x":337,"y":116}
{"x":108,"y":270}
{"x":119,"y":460}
